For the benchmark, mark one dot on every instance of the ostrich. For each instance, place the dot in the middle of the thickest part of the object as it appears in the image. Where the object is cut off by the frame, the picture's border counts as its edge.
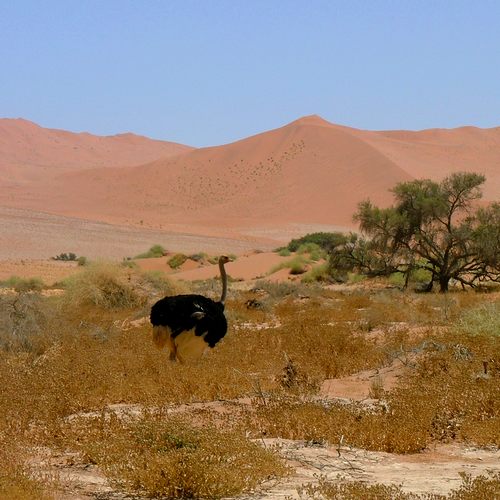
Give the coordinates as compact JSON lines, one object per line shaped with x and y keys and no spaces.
{"x":188,"y":324}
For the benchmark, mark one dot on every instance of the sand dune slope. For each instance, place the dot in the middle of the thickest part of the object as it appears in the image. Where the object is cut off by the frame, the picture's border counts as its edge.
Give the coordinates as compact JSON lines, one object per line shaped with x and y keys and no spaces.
{"x":29,"y":152}
{"x":307,"y":172}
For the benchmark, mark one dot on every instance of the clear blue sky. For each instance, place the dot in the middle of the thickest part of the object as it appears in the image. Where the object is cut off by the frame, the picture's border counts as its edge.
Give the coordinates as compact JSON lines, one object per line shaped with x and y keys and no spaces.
{"x":213,"y":71}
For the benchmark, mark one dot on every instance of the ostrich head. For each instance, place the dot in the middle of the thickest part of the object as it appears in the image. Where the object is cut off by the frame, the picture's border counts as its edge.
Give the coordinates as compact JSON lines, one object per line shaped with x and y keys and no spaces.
{"x":223,"y":259}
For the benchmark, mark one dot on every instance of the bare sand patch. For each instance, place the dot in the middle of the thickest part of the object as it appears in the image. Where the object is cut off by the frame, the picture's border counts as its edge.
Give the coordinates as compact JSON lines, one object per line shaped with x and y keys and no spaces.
{"x":28,"y":234}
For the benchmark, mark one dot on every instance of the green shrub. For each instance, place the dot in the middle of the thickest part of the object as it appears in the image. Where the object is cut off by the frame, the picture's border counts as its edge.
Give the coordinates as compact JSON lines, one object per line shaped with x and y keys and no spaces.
{"x":177,"y":260}
{"x":416,"y":276}
{"x":82,"y":261}
{"x":297,"y":265}
{"x":397,"y":279}
{"x":199,"y":257}
{"x":324,"y":240}
{"x":317,"y":273}
{"x":355,"y":278}
{"x":284,"y":252}
{"x":154,"y":252}
{"x":313,"y":249}
{"x":129,"y":264}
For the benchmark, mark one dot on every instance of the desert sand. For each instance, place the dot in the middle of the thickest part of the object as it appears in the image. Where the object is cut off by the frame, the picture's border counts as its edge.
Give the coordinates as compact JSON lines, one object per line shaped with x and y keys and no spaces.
{"x":261,"y":190}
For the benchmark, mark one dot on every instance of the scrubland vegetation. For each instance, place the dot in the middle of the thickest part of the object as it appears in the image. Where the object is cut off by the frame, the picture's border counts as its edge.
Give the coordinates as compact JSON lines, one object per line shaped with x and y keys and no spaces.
{"x":66,"y":360}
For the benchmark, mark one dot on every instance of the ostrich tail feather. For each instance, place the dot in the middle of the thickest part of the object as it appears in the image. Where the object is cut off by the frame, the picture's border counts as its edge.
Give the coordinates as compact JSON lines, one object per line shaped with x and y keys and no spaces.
{"x":161,"y":335}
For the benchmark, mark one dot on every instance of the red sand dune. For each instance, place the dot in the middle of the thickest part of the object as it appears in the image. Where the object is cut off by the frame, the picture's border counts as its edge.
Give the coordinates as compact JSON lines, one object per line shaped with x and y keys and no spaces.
{"x":29,"y":152}
{"x":309,"y":172}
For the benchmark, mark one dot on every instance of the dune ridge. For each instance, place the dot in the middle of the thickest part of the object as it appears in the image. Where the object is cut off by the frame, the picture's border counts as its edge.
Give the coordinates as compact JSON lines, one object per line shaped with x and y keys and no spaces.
{"x":308,"y":172}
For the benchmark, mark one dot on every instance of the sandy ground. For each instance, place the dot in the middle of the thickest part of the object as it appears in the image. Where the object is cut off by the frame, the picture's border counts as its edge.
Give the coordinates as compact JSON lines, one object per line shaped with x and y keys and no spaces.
{"x":27,"y":234}
{"x":249,"y":266}
{"x":48,"y":271}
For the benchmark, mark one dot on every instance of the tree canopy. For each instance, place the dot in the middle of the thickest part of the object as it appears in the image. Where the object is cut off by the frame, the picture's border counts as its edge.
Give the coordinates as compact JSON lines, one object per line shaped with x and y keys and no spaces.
{"x":435,"y":226}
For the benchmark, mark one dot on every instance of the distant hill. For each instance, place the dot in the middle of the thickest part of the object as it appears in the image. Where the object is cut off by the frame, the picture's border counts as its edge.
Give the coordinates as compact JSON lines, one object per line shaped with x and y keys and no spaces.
{"x":307,"y":172}
{"x":28,"y":151}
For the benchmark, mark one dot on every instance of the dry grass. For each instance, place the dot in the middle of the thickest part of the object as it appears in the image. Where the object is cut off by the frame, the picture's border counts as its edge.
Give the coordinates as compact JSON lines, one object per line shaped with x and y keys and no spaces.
{"x":479,"y":488}
{"x":61,"y":356}
{"x":167,"y":457}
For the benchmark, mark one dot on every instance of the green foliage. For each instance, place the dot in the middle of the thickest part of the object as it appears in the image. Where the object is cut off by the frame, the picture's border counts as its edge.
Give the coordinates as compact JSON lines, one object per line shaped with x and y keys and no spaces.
{"x":128,"y":264}
{"x":284,"y":252}
{"x":326,"y":241}
{"x":314,"y":251}
{"x":154,"y":252}
{"x":355,"y":278}
{"x":417,"y":276}
{"x":297,"y":265}
{"x":177,"y":260}
{"x":316,"y":273}
{"x":199,"y":257}
{"x":434,"y":227}
{"x":82,"y":261}
{"x":355,"y":254}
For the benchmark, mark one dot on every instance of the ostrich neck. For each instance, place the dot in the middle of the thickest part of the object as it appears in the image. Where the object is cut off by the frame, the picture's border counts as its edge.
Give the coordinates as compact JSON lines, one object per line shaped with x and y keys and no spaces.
{"x":223,"y":277}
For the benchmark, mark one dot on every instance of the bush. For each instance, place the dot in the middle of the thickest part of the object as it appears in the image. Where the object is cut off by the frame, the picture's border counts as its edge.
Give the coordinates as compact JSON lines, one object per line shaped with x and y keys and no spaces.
{"x":158,"y":281}
{"x":23,"y":284}
{"x":177,"y":260}
{"x":284,"y":252}
{"x":154,"y":252}
{"x":480,"y":487}
{"x":104,"y":285}
{"x":326,"y":241}
{"x":199,"y":257}
{"x":21,"y":321}
{"x":82,"y":261}
{"x":297,"y":265}
{"x":70,"y":257}
{"x":317,"y":273}
{"x":171,"y":459}
{"x":313,"y":249}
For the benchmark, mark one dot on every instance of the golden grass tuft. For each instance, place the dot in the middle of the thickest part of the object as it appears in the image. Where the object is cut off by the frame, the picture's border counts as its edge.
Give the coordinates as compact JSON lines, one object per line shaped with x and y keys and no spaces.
{"x":477,"y":488}
{"x":170,"y":458}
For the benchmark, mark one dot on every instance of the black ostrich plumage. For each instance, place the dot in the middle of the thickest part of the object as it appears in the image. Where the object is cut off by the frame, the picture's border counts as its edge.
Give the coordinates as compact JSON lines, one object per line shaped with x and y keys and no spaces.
{"x":188,"y":324}
{"x":196,"y":313}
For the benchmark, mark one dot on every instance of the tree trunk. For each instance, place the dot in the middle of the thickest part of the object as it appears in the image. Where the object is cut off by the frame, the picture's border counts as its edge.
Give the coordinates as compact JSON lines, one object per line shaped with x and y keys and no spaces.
{"x":443,"y":283}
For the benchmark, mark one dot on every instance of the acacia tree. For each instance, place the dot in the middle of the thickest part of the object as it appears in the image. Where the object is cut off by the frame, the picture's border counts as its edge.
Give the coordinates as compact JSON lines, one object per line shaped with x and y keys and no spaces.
{"x":432,"y":226}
